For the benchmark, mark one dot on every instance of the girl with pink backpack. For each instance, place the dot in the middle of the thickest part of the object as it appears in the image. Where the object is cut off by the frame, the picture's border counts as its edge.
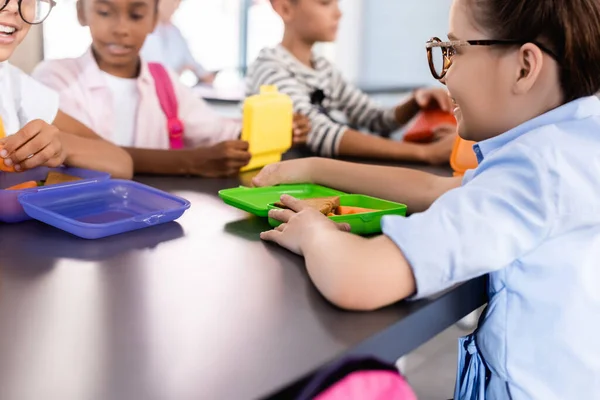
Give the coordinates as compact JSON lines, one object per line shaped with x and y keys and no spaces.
{"x":164,"y":125}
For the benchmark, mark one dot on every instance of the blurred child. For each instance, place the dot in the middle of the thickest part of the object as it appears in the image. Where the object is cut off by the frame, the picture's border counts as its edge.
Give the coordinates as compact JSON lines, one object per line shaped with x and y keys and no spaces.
{"x":166,"y":45}
{"x":527,"y":215}
{"x":320,"y":92}
{"x":39,"y":134}
{"x":114,"y":91}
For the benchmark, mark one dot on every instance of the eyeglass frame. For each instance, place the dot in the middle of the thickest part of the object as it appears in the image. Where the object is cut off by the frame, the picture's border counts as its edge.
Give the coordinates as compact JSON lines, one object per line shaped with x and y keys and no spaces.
{"x":453,"y":44}
{"x":19,"y":2}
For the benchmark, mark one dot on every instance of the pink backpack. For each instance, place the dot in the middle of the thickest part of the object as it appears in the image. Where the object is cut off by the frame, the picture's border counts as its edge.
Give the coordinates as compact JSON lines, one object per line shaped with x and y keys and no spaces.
{"x":168,"y":102}
{"x":358,"y":379}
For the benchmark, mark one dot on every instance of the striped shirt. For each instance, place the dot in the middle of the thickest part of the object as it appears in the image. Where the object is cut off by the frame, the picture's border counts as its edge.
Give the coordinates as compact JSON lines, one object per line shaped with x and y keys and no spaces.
{"x":279,"y":67}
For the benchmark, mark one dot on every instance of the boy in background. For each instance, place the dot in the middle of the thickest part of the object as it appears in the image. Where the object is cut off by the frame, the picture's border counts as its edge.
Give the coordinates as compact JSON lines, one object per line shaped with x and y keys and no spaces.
{"x":319,"y":91}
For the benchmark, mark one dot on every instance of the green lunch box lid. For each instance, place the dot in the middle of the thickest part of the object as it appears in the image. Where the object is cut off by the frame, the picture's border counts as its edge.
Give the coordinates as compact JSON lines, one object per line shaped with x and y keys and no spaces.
{"x":257,"y":200}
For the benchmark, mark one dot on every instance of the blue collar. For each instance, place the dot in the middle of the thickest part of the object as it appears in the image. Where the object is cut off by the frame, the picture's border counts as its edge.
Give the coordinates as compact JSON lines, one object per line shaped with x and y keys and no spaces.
{"x":577,"y":109}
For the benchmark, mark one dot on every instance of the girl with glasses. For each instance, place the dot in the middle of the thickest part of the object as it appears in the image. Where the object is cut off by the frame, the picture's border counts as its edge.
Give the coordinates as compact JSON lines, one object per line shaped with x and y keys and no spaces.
{"x":522,"y":75}
{"x":39,"y":134}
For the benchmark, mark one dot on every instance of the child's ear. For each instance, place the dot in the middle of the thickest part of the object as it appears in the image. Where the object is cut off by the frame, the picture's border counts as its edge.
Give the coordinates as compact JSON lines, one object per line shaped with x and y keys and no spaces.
{"x":81,"y":14}
{"x":283,"y":8}
{"x":531,"y":61}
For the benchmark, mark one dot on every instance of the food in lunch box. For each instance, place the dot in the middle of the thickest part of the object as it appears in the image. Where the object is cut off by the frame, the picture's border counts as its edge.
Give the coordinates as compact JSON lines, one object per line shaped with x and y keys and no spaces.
{"x":330,"y":206}
{"x":325,"y":205}
{"x":24,"y":185}
{"x":349,"y":210}
{"x":54,"y":178}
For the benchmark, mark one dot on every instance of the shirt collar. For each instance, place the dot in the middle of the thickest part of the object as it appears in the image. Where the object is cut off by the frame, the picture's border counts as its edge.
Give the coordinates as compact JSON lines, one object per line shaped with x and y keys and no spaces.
{"x":578,"y":109}
{"x":94,"y":79}
{"x":295,"y":65}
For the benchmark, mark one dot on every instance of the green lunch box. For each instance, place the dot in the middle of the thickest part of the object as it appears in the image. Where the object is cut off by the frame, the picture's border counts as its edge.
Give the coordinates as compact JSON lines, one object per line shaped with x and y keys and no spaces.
{"x":259,"y":201}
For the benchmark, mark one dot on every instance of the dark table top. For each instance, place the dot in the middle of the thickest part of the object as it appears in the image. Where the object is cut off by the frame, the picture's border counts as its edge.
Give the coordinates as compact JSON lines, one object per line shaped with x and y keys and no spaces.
{"x":195,"y":309}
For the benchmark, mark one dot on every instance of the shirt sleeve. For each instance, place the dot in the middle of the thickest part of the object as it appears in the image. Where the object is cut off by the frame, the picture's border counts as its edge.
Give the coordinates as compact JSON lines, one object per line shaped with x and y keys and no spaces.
{"x":203,"y":125}
{"x":325,"y":136}
{"x":361,"y":110}
{"x":34,"y":99}
{"x":504,"y":212}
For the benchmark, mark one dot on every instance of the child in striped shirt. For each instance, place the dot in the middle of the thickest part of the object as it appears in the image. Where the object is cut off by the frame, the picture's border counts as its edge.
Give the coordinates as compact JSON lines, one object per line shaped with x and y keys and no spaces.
{"x":319,"y":91}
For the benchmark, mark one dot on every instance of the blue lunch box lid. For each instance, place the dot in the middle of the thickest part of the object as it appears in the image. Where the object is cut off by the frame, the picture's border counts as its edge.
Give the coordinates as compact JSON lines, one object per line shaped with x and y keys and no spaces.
{"x":94,"y":209}
{"x":11,"y":210}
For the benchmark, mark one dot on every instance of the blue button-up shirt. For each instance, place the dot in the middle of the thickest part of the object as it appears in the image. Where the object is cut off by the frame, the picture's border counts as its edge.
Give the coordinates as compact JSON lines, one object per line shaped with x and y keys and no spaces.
{"x":529,"y":216}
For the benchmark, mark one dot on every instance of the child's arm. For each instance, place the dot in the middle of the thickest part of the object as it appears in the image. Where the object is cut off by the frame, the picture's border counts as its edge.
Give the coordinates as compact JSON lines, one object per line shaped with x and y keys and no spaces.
{"x":221,"y":160}
{"x":357,"y":144}
{"x":417,"y":189}
{"x":351,"y":272}
{"x":362,"y":111}
{"x":85,"y":149}
{"x":500,"y":216}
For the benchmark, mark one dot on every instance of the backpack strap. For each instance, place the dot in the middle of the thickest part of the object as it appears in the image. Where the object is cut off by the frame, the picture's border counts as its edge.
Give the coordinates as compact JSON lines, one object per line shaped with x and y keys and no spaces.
{"x":168,"y":102}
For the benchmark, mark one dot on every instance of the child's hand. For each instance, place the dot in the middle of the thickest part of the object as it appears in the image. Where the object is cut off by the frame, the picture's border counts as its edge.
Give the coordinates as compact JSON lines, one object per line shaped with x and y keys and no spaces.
{"x":433,"y":98}
{"x":444,"y":130}
{"x":298,"y":222}
{"x":36,"y":144}
{"x":301,"y":129}
{"x":221,"y":160}
{"x":293,"y":171}
{"x":438,"y":152}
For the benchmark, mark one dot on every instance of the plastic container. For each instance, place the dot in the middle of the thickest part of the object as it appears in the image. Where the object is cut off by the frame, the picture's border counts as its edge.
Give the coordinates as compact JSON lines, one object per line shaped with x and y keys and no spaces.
{"x":423,"y":127}
{"x":267,"y":126}
{"x":259,"y":201}
{"x":93,"y":210}
{"x":11,"y":209}
{"x":463,"y":157}
{"x":256,"y":200}
{"x":365,"y":223}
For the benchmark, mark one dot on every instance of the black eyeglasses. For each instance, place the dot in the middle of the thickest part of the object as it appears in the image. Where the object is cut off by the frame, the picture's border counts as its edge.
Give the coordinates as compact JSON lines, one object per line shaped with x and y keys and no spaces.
{"x":439,"y":54}
{"x":33,"y":12}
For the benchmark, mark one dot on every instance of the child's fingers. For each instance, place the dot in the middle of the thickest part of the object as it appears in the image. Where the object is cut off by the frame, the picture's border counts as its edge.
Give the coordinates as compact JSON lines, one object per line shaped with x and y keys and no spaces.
{"x":238,"y":145}
{"x":444,"y":130}
{"x":301,"y":130}
{"x":299,"y":117}
{"x":302,"y":123}
{"x":34,"y":146}
{"x":16,"y":141}
{"x":238,"y":155}
{"x":343,"y":227}
{"x":293,"y":203}
{"x":302,"y":139}
{"x":281,"y":215}
{"x":268,"y":176}
{"x":271,"y":236}
{"x":47,"y":156}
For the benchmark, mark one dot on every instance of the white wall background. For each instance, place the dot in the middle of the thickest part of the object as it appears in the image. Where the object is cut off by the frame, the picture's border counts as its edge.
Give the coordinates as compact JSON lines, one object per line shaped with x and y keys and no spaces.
{"x":393,"y":42}
{"x":29,"y":53}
